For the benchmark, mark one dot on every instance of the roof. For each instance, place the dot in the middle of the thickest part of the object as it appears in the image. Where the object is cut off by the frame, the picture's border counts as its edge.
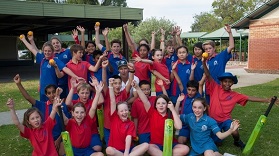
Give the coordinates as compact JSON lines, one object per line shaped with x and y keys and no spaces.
{"x":222,"y":34}
{"x":192,"y":34}
{"x":18,"y":17}
{"x":243,"y":23}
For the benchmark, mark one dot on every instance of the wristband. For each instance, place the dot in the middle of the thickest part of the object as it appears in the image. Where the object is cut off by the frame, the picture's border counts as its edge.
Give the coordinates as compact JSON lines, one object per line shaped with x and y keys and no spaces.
{"x":132,"y":71}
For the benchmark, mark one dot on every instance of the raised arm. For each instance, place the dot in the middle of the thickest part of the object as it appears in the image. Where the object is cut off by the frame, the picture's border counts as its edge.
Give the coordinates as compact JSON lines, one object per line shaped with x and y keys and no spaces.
{"x":162,"y":41}
{"x":192,"y":74}
{"x":10,"y":104}
{"x":234,"y":126}
{"x":105,"y":34}
{"x":131,"y":76}
{"x":98,"y":88}
{"x":153,"y":42}
{"x":104,"y":75}
{"x":175,"y":76}
{"x":94,"y":81}
{"x":58,"y":73}
{"x":205,"y":69}
{"x":142,"y":96}
{"x":178,"y":102}
{"x":30,"y":36}
{"x":176,"y":119}
{"x":97,"y":37}
{"x":128,"y":37}
{"x":178,"y":38}
{"x":82,"y":31}
{"x":161,"y":84}
{"x":57,"y":102}
{"x":69,"y":99}
{"x":231,"y":40}
{"x":22,"y":90}
{"x":28,"y":45}
{"x":201,"y":83}
{"x":112,"y":96}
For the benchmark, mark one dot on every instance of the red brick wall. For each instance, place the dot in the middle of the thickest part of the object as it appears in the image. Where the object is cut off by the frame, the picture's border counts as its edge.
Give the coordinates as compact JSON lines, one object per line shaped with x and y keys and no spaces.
{"x":263,"y":53}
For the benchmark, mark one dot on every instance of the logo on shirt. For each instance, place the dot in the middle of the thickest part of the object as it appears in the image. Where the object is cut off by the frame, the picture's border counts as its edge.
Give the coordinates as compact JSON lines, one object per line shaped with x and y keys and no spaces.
{"x":65,"y":56}
{"x":204,"y":128}
{"x":201,"y":67}
{"x":215,"y":63}
{"x":48,"y":66}
{"x":228,"y":98}
{"x":188,"y":71}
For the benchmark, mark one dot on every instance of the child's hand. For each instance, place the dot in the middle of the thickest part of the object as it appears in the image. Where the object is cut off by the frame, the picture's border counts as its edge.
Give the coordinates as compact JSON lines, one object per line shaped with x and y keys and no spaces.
{"x":178,"y":31}
{"x":58,"y":91}
{"x":174,"y":65}
{"x":80,"y":28}
{"x":57,"y":102}
{"x":111,"y":80}
{"x":160,"y":82}
{"x":74,"y":33}
{"x":105,"y":31}
{"x":125,"y":27}
{"x":131,"y":66}
{"x":167,"y":81}
{"x":162,"y":31}
{"x":105,"y":64}
{"x":74,"y":83}
{"x":99,"y":87}
{"x":30,"y":37}
{"x":153,"y":33}
{"x":138,"y":59}
{"x":10,"y":103}
{"x":194,"y":65}
{"x":234,"y":125}
{"x":228,"y":28}
{"x":170,"y":106}
{"x":93,"y":81}
{"x":97,"y":28}
{"x":134,"y":84}
{"x":180,"y":97}
{"x":17,"y":79}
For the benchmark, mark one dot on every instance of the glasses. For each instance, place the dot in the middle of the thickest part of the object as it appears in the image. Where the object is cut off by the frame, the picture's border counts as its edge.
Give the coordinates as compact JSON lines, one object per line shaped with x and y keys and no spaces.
{"x":146,"y":90}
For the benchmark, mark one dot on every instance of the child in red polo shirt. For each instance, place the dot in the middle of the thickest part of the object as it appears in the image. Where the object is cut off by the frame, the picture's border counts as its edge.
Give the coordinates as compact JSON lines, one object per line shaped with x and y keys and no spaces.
{"x":83,"y":91}
{"x":223,"y":100}
{"x":81,"y":125}
{"x":157,"y":116}
{"x":39,"y":133}
{"x":119,"y":95}
{"x":122,"y":129}
{"x":159,"y":69}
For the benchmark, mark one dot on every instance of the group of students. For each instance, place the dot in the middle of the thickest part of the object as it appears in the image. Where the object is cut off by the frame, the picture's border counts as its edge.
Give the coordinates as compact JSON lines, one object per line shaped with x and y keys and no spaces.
{"x":89,"y":79}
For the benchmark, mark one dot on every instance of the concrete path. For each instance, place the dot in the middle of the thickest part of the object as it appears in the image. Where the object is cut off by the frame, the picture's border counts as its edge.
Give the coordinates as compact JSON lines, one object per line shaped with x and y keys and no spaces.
{"x":244,"y":79}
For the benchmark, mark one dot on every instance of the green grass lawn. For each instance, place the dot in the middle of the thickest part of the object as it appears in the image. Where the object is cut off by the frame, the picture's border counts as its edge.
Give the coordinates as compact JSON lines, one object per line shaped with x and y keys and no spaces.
{"x":12,"y":144}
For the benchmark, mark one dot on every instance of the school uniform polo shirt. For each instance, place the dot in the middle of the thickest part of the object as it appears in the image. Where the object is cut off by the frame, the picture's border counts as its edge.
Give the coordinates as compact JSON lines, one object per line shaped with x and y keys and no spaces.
{"x":198,"y":72}
{"x":170,"y":59}
{"x":80,"y":69}
{"x":157,"y":125}
{"x":186,"y":104}
{"x":47,"y":72}
{"x":138,"y":111}
{"x":65,"y":56}
{"x":217,"y":64}
{"x":163,"y":70}
{"x":142,"y":71}
{"x":45,"y":108}
{"x":80,"y":134}
{"x":200,"y":132}
{"x":113,"y":60}
{"x":222,"y":102}
{"x":122,"y":96}
{"x":183,"y":70}
{"x":41,"y":138}
{"x":119,"y":131}
{"x":88,"y":105}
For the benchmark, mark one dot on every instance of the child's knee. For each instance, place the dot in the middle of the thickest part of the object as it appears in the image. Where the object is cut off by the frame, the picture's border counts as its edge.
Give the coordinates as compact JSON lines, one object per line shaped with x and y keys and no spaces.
{"x":110,"y":151}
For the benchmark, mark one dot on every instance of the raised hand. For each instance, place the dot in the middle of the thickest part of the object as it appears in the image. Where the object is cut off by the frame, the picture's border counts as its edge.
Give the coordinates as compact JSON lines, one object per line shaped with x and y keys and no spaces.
{"x":134,"y":84}
{"x":99,"y":87}
{"x":105,"y":31}
{"x":137,"y":58}
{"x":125,"y":27}
{"x":163,"y":32}
{"x":10,"y":103}
{"x":74,"y":83}
{"x":105,"y":63}
{"x":160,"y":82}
{"x":170,"y":106}
{"x":93,"y":81}
{"x":131,"y":66}
{"x":228,"y":28}
{"x":178,"y":31}
{"x":111,"y":80}
{"x":180,"y":97}
{"x":80,"y":28}
{"x":74,"y":33}
{"x":17,"y":79}
{"x":194,"y":65}
{"x":174,"y":65}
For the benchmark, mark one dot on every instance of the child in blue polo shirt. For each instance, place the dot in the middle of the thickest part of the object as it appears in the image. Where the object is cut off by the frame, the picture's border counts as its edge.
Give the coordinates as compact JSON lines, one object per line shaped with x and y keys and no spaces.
{"x":201,"y":127}
{"x":45,"y":108}
{"x":197,"y":58}
{"x":114,"y":56}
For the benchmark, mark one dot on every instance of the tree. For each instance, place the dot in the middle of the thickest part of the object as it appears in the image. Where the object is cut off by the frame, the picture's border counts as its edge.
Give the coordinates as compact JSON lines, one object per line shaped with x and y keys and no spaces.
{"x":205,"y":22}
{"x":145,"y":28}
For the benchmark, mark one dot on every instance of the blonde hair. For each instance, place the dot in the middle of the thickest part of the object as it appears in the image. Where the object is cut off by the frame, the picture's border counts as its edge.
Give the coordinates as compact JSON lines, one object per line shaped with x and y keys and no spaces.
{"x":84,"y":86}
{"x":208,"y":42}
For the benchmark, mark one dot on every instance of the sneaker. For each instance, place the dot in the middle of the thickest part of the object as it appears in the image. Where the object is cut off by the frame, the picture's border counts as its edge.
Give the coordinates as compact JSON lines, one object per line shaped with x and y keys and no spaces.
{"x":239,"y":144}
{"x":228,"y":154}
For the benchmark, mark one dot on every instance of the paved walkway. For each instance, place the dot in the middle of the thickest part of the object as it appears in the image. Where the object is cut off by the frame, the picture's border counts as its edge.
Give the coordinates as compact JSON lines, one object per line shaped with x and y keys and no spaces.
{"x":244,"y":79}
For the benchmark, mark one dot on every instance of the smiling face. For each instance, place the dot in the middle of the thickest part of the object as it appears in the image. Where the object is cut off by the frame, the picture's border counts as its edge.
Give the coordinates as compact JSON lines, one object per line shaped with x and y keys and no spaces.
{"x":143,"y":52}
{"x":35,"y":120}
{"x":90,"y":48}
{"x":146,"y":89}
{"x":123,"y":111}
{"x":115,"y":48}
{"x":56,"y":44}
{"x":226,"y":84}
{"x":124,"y":72}
{"x":117,"y":84}
{"x":198,"y":52}
{"x":198,"y":109}
{"x":50,"y":94}
{"x":48,"y":52}
{"x":161,"y":106}
{"x":79,"y":114}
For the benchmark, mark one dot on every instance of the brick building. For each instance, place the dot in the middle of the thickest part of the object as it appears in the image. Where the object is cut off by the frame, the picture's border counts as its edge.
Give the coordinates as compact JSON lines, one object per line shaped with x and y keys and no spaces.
{"x":263,"y":46}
